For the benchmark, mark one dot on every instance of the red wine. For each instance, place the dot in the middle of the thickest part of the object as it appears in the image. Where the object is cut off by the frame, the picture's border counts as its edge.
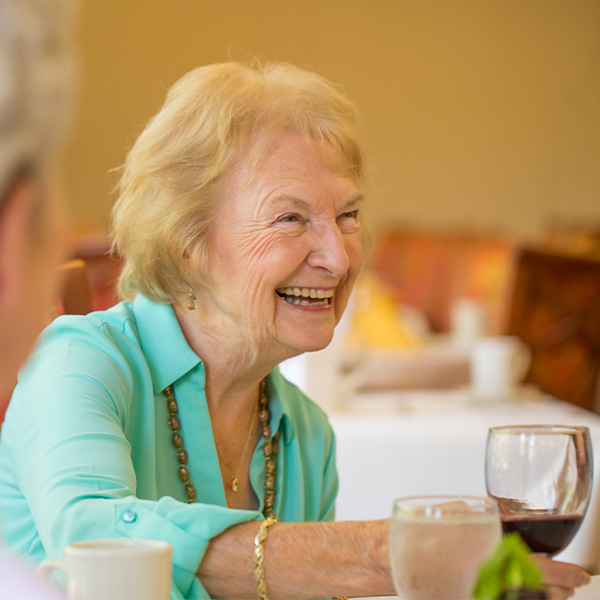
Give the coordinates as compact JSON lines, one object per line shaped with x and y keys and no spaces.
{"x":543,"y":533}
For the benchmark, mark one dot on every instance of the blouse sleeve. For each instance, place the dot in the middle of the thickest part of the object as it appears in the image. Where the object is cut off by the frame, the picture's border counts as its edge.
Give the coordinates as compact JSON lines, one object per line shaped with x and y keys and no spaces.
{"x":73,"y":462}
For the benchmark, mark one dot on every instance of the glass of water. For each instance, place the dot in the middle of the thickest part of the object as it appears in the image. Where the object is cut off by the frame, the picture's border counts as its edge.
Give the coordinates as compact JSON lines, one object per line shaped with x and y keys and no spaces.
{"x":437,"y":544}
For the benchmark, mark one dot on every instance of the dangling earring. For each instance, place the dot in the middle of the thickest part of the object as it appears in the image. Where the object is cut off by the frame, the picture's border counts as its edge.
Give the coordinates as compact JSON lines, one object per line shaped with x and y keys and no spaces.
{"x":192,"y":305}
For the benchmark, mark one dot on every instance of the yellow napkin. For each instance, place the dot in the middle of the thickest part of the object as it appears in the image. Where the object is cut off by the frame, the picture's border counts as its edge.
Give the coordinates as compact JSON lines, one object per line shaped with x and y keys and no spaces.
{"x":377,"y":316}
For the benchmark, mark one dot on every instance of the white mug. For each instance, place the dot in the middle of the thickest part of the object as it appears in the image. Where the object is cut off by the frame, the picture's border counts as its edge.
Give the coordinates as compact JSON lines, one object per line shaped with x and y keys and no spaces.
{"x":115,"y":569}
{"x":498,"y":365}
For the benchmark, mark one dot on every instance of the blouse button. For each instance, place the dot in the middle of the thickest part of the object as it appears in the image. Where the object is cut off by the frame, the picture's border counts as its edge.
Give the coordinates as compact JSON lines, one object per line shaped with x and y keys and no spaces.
{"x":129,"y":516}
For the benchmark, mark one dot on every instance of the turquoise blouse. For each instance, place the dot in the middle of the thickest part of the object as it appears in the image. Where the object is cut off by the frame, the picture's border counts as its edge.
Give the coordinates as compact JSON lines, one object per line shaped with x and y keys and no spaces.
{"x":86,"y":451}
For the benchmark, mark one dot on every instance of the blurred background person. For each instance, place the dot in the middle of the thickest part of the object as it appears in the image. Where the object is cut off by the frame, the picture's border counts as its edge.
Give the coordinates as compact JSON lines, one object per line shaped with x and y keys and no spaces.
{"x":37,"y":73}
{"x":36,"y":81}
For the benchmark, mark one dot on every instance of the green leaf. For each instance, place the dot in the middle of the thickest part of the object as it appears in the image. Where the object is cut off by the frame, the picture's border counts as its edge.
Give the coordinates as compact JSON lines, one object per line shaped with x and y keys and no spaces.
{"x":510,"y":567}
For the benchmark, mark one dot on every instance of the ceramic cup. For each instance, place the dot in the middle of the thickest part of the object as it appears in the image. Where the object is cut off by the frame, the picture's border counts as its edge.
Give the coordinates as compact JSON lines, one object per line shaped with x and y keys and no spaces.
{"x":115,"y":569}
{"x":498,"y":365}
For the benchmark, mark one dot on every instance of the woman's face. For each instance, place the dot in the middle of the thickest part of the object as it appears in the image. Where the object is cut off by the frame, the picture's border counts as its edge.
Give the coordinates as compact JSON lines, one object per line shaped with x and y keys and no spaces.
{"x":285,"y":250}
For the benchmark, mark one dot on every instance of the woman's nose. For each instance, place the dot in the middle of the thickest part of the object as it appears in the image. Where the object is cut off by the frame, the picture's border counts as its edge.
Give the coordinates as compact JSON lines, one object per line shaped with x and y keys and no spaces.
{"x":329,"y":250}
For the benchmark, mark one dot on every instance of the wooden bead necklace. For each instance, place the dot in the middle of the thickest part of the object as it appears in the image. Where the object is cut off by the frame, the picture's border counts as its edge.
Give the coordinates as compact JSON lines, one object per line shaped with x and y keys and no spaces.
{"x":270,"y":449}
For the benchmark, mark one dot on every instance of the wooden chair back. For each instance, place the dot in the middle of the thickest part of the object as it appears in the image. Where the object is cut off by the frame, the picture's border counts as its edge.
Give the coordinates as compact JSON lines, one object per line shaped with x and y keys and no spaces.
{"x":555,"y":309}
{"x":103,"y":267}
{"x":74,"y":295}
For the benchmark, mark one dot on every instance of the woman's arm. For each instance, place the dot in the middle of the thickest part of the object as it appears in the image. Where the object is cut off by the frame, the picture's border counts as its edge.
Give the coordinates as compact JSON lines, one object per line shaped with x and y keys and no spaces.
{"x":318,"y":560}
{"x":302,"y":560}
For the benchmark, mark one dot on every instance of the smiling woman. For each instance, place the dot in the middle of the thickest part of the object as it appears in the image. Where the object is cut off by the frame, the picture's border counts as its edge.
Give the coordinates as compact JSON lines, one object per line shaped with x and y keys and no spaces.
{"x":166,"y":416}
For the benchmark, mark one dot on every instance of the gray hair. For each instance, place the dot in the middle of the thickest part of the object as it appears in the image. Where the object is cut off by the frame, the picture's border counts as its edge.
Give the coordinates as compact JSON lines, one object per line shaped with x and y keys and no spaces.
{"x":37,"y":72}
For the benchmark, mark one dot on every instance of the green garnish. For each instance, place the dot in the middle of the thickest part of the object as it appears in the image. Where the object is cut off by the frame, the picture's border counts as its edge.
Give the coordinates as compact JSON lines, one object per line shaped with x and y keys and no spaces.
{"x":509,"y":569}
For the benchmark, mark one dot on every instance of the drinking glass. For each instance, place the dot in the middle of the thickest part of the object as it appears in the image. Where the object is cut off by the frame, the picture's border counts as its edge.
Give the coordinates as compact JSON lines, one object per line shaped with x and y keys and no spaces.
{"x":541,"y":477}
{"x":438,"y":542}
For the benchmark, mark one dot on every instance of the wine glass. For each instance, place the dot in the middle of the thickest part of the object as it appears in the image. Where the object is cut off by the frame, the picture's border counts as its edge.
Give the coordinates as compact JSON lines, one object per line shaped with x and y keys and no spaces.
{"x":437,"y":544}
{"x":541,"y":477}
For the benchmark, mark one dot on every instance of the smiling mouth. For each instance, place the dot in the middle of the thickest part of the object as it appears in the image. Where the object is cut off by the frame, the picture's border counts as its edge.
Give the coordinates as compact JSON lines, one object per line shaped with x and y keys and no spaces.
{"x":305,"y":296}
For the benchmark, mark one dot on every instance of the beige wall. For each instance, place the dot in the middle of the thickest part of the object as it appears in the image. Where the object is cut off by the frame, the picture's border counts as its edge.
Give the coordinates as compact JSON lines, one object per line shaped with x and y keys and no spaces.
{"x":477,"y":112}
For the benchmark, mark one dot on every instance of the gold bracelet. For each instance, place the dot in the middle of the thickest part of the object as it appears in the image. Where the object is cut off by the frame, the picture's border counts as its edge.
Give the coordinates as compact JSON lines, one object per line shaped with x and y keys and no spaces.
{"x":259,"y":557}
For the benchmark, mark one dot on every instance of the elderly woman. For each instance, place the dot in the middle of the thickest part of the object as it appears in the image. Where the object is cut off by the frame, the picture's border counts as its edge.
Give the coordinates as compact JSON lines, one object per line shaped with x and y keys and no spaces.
{"x":166,"y":417}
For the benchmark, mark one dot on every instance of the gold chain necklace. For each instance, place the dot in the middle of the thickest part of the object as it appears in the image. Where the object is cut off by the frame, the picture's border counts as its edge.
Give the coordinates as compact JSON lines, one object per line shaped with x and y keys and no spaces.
{"x":235,"y":483}
{"x":270,"y":448}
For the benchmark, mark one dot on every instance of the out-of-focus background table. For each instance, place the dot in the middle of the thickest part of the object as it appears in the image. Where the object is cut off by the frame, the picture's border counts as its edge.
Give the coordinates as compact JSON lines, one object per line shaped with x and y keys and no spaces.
{"x":402,"y":443}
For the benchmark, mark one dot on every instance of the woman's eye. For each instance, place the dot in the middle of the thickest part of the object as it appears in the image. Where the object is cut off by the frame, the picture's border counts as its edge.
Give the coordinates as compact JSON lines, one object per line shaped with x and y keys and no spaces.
{"x":289,"y":218}
{"x":353,"y":214}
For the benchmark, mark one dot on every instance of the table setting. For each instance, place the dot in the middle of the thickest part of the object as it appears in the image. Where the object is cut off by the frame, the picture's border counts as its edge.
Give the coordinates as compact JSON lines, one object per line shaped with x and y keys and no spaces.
{"x":538,"y":488}
{"x":434,"y":442}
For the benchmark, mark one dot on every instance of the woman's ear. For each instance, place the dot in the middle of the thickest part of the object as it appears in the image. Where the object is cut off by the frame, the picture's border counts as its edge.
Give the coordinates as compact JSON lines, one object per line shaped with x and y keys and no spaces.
{"x":185,"y":262}
{"x":15,"y":236}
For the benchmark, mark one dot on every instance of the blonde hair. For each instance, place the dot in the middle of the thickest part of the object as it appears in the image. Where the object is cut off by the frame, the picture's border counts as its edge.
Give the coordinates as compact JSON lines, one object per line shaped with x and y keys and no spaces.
{"x":175,"y":173}
{"x":37,"y":78}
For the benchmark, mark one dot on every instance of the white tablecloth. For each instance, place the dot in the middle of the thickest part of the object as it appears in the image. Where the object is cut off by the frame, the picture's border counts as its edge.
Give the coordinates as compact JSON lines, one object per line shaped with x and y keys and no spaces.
{"x":586,"y":592}
{"x":392,"y":444}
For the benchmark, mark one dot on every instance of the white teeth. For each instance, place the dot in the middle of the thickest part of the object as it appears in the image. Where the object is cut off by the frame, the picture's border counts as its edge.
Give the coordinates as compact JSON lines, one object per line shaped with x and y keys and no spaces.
{"x":297,"y":302}
{"x":306,"y":292}
{"x":296,"y":295}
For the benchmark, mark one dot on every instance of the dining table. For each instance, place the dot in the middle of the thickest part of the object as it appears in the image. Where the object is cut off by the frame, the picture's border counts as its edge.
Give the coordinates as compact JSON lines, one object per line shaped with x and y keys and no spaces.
{"x":591,"y":591}
{"x":395,"y":443}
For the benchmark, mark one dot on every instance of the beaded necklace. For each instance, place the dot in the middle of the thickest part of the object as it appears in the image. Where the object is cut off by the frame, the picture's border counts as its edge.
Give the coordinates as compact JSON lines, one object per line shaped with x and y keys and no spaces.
{"x":270,"y":448}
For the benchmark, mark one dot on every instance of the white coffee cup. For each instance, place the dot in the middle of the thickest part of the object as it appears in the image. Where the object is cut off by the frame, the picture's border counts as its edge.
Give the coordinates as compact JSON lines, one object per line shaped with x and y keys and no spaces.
{"x":115,"y":569}
{"x":498,"y":365}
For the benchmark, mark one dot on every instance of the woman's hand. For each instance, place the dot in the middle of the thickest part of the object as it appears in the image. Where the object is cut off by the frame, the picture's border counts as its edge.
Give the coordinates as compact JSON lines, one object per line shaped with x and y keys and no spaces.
{"x":560,"y":578}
